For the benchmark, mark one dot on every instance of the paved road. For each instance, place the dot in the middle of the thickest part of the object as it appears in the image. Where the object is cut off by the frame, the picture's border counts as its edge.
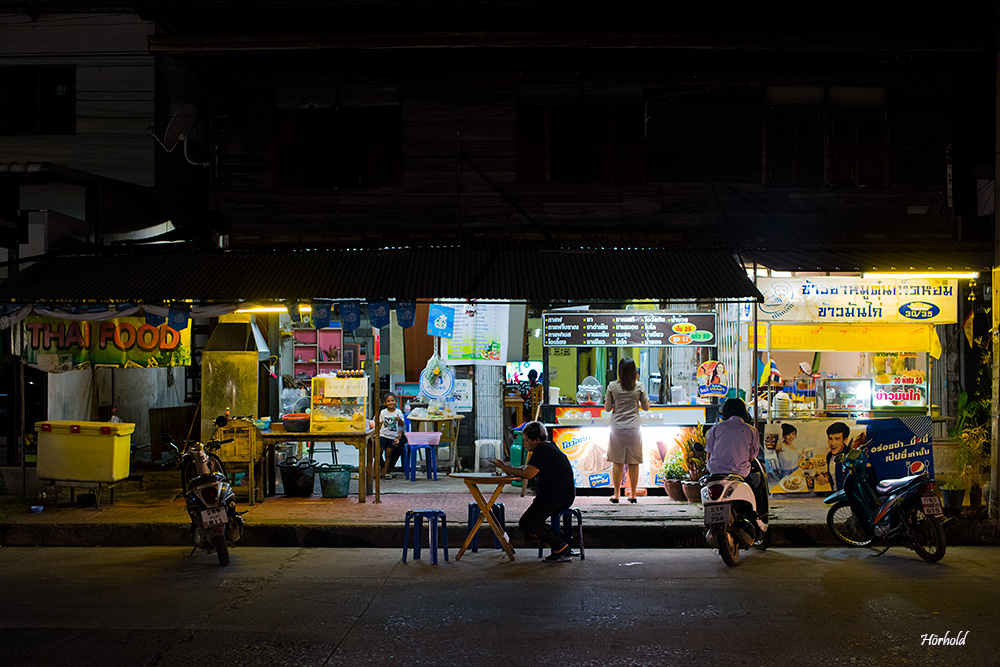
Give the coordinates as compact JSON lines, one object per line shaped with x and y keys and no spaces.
{"x":291,"y":606}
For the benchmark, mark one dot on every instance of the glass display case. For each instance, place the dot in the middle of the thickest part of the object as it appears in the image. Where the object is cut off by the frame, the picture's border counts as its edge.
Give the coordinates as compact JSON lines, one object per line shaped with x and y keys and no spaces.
{"x":339,"y":404}
{"x":847,"y":394}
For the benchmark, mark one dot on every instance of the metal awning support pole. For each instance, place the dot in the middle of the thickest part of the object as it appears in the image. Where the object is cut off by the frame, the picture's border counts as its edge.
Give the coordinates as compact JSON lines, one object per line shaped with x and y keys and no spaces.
{"x":753,"y":362}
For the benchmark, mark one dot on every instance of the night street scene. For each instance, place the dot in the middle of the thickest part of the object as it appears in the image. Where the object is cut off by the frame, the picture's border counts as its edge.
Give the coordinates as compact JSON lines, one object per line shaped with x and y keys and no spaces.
{"x":450,"y":333}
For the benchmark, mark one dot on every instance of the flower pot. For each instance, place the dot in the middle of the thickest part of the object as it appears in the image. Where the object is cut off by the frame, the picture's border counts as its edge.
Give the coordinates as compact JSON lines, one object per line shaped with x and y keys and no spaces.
{"x":975,"y":496}
{"x":952,"y":497}
{"x":675,"y":490}
{"x":692,"y":490}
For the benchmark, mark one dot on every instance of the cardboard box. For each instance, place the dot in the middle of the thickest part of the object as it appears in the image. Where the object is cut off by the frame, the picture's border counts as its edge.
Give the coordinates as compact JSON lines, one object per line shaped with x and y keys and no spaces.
{"x":84,"y":451}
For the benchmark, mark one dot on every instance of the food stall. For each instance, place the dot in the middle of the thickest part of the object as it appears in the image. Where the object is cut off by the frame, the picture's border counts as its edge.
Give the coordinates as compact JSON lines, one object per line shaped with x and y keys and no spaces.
{"x":581,"y":428}
{"x":865,"y":348}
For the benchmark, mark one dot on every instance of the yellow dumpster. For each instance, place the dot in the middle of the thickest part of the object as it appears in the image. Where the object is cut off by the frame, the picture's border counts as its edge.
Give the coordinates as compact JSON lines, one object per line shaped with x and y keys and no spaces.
{"x":84,"y":451}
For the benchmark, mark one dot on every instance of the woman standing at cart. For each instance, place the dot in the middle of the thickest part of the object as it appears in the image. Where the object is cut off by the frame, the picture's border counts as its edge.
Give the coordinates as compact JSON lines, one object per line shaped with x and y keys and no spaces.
{"x":623,"y":400}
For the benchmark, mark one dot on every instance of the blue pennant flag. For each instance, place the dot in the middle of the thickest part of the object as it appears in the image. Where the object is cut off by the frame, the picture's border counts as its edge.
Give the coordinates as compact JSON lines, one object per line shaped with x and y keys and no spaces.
{"x":350,"y":315}
{"x":378,"y":313}
{"x":406,"y":313}
{"x":154,"y":320}
{"x":177,"y":318}
{"x":320,"y":314}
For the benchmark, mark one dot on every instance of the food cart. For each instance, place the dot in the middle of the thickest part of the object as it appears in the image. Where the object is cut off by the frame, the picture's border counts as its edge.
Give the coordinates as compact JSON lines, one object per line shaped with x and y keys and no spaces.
{"x":869,"y":345}
{"x":581,"y":428}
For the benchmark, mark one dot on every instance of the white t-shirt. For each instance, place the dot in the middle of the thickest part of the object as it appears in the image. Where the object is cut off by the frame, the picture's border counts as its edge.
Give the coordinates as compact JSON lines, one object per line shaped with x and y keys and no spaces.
{"x":392,"y":423}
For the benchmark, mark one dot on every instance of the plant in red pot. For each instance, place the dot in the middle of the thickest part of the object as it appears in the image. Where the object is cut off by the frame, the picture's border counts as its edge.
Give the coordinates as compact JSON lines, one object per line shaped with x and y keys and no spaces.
{"x":692,"y":446}
{"x":673,"y":472}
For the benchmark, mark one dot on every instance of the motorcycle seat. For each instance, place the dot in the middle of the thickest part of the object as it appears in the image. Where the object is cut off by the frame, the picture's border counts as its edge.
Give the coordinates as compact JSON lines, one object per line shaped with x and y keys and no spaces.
{"x":887,"y":486}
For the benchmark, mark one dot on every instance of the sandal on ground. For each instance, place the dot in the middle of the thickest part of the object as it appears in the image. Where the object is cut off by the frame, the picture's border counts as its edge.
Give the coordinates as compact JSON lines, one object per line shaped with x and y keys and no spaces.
{"x":614,"y":500}
{"x":632,"y":500}
{"x":559,"y":556}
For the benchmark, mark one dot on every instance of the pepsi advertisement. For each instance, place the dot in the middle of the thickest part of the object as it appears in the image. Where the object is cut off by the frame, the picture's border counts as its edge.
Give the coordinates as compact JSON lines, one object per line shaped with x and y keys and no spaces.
{"x":899,"y":447}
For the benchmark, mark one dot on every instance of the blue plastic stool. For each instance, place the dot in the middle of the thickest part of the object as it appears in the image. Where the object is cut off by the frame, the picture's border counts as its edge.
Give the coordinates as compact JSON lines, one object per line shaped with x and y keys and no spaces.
{"x":410,"y":452}
{"x":432,"y":517}
{"x":566,"y":532}
{"x":498,"y":514}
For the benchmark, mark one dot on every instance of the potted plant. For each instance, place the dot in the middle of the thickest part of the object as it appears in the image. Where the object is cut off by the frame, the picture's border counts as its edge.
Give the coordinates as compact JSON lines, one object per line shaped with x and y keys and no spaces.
{"x":692,"y":444}
{"x":952,"y":491}
{"x":673,"y":471}
{"x":972,"y":459}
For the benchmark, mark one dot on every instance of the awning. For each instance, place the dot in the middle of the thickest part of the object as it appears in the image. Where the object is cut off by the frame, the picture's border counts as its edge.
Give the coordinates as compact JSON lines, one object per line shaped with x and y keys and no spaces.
{"x":917,"y":260}
{"x":512,"y":274}
{"x":848,"y":338}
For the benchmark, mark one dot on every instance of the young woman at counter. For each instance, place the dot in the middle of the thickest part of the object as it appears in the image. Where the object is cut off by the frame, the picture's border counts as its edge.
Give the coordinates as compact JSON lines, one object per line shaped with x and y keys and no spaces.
{"x":623,"y":400}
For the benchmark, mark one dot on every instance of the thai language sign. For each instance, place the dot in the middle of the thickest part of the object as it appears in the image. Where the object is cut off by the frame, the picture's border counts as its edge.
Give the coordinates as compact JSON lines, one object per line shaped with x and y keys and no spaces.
{"x":479,"y":335}
{"x":627,"y":328}
{"x":57,"y":345}
{"x":850,"y":299}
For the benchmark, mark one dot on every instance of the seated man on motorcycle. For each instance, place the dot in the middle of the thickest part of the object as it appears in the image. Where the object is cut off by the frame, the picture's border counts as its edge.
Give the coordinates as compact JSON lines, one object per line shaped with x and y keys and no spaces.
{"x":731,"y":444}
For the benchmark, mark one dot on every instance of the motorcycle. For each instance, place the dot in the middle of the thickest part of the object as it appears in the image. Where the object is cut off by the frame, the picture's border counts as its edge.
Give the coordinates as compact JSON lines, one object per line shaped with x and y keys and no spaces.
{"x":905,"y":510}
{"x":731,"y":517}
{"x":208,"y":496}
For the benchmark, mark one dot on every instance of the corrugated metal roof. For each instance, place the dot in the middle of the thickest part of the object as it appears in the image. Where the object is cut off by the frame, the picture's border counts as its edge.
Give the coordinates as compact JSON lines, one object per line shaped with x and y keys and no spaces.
{"x":515,"y":274}
{"x":970,"y":258}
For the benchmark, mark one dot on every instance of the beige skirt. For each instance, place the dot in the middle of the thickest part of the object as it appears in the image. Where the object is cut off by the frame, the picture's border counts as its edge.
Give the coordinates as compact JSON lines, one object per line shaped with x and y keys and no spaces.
{"x":625,"y":446}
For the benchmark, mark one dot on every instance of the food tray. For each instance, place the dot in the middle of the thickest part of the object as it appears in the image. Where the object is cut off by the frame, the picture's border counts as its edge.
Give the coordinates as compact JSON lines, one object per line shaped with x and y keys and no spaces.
{"x":423,"y":437}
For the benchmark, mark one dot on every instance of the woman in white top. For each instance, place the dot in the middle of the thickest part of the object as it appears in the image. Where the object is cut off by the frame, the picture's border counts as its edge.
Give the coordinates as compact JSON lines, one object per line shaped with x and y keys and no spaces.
{"x":624,"y":398}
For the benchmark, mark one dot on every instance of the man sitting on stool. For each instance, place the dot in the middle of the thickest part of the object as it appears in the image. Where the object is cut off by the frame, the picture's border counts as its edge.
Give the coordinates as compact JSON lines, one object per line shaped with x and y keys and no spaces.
{"x":556,"y":488}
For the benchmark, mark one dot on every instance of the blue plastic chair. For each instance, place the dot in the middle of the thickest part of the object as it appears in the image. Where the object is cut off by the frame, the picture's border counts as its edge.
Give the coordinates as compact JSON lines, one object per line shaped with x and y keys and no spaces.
{"x":410,"y":468}
{"x":432,"y":517}
{"x":566,"y":531}
{"x":498,"y":514}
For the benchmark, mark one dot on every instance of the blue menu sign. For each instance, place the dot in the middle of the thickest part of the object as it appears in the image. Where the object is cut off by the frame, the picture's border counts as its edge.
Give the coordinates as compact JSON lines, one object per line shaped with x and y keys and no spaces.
{"x":440,"y":321}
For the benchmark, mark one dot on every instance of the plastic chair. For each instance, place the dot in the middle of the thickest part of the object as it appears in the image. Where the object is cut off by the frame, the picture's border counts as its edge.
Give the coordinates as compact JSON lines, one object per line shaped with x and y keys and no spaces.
{"x":432,"y":517}
{"x":498,"y":514}
{"x":497,"y":450}
{"x":566,"y":532}
{"x":410,"y":467}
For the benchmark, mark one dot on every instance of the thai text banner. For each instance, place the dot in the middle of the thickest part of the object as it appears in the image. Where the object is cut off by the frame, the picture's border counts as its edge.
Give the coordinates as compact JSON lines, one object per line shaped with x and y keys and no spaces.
{"x":56,"y":345}
{"x":859,"y":300}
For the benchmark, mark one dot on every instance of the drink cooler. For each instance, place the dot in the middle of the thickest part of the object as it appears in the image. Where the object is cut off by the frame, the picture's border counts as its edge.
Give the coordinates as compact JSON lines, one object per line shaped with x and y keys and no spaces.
{"x":84,"y":451}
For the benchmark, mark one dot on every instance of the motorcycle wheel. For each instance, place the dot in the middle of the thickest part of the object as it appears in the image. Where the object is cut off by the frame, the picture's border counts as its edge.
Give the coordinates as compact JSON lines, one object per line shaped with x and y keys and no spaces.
{"x":222,"y":549}
{"x":729,"y":549}
{"x":927,"y":535}
{"x":845,"y":526}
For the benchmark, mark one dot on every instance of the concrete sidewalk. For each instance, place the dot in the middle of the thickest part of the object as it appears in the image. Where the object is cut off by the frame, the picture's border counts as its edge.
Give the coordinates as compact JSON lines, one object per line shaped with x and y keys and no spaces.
{"x":152,"y":516}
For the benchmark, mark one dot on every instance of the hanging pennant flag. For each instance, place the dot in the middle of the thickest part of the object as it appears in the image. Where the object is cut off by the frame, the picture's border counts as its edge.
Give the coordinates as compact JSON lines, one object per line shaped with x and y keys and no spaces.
{"x":177,"y":317}
{"x":406,"y":313}
{"x":320,"y":314}
{"x":967,"y":328}
{"x":378,"y":313}
{"x":350,"y":315}
{"x":154,"y":320}
{"x":293,"y":310}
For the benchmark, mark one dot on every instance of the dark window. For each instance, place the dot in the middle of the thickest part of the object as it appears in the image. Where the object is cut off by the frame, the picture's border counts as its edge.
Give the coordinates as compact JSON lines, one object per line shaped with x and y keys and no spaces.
{"x":833,"y":136}
{"x":581,"y":138}
{"x":355,"y":146}
{"x":38,"y":100}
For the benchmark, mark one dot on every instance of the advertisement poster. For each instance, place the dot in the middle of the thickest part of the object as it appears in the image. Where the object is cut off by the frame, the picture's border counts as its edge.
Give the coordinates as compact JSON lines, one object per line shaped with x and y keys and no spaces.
{"x":480,"y":338}
{"x":56,"y":345}
{"x":712,"y":379}
{"x":587,"y":451}
{"x":799,"y":456}
{"x":851,"y":299}
{"x":440,"y":321}
{"x":463,"y":395}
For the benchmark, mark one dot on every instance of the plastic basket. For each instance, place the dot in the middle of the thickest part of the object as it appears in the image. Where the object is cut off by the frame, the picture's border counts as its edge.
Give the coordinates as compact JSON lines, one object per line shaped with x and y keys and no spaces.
{"x":334,"y":480}
{"x":423,"y":437}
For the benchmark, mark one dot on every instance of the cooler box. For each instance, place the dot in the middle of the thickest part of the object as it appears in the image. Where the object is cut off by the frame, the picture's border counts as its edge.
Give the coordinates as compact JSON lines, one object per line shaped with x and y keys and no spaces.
{"x":84,"y":451}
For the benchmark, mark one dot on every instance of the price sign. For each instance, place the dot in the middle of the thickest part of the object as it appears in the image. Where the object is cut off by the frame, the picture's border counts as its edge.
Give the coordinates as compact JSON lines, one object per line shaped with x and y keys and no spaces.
{"x":628,"y":328}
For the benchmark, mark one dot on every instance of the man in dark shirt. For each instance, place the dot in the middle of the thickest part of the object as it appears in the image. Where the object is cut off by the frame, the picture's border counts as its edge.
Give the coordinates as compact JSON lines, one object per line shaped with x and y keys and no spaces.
{"x":556,"y":488}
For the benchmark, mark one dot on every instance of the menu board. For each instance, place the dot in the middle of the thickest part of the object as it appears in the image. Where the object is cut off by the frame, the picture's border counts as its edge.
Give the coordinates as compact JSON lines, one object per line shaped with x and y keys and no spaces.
{"x":628,"y":328}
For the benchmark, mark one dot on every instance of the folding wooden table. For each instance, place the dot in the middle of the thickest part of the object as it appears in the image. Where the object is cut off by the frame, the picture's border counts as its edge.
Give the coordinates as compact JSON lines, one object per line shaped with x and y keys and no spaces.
{"x":474,"y":480}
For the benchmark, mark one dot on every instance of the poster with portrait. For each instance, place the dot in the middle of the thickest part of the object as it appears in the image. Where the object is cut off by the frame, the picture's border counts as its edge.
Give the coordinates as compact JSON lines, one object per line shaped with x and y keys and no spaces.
{"x":799,"y":455}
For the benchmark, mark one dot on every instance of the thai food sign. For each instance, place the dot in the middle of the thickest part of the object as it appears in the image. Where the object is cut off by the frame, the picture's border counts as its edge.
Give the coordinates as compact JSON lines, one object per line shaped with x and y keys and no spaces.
{"x":56,"y":345}
{"x":852,"y":299}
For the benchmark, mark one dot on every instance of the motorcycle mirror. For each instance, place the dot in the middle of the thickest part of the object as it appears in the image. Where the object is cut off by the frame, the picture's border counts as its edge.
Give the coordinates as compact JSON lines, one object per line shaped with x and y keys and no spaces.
{"x":221,"y":421}
{"x":165,"y":438}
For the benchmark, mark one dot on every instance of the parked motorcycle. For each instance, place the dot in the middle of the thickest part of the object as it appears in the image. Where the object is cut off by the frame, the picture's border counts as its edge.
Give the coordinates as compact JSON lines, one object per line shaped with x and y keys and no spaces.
{"x":905,"y":510}
{"x":732,"y":519}
{"x":208,"y":496}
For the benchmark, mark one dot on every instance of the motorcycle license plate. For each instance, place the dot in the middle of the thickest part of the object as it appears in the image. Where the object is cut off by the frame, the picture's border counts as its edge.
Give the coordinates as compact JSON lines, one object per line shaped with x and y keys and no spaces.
{"x":213,"y":517}
{"x":932,"y":505}
{"x":716,"y":513}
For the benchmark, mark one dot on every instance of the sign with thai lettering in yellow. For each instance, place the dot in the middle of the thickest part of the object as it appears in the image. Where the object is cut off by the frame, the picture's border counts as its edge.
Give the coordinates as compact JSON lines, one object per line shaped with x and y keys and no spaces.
{"x":56,"y":345}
